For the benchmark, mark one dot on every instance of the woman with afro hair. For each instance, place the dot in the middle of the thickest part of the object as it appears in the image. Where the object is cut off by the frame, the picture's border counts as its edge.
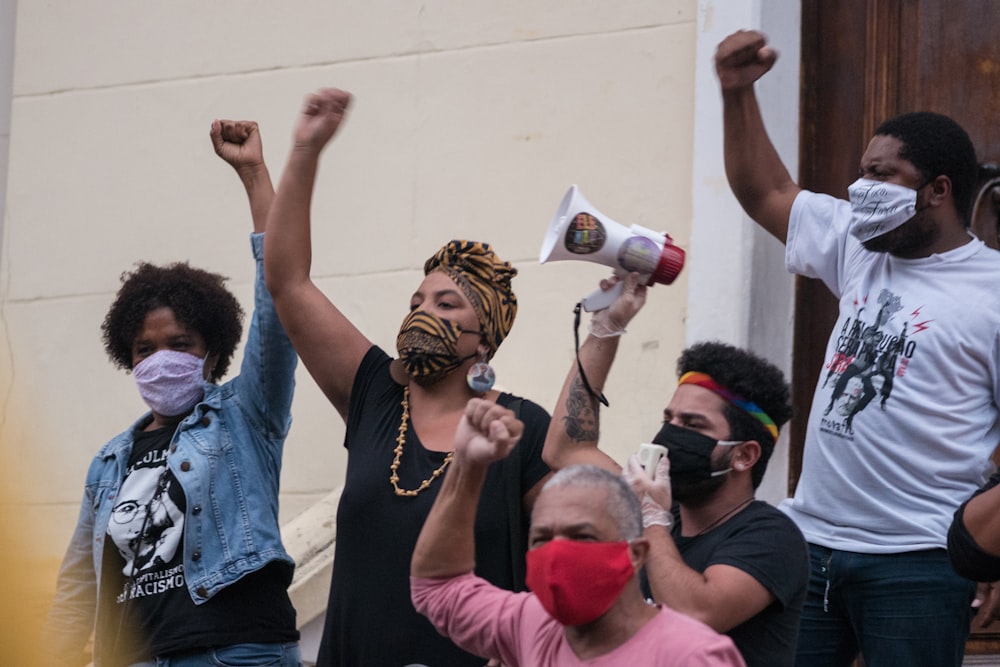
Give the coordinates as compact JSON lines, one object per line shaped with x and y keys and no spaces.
{"x":177,"y":553}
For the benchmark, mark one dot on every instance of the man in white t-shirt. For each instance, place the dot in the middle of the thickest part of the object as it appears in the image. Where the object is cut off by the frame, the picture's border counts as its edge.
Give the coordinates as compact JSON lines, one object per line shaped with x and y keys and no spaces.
{"x":919,"y":330}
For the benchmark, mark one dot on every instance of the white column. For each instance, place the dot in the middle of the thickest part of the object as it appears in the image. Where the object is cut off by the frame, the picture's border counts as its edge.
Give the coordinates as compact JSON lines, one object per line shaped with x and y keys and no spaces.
{"x":739,"y":291}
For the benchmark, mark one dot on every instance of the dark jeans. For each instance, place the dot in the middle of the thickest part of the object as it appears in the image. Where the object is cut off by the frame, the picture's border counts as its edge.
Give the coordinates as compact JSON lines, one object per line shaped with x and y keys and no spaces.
{"x":238,"y":655}
{"x":896,"y":609}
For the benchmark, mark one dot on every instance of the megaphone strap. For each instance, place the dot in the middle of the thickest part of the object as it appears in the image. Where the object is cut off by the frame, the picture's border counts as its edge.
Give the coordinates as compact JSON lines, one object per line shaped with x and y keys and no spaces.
{"x":579,"y":367}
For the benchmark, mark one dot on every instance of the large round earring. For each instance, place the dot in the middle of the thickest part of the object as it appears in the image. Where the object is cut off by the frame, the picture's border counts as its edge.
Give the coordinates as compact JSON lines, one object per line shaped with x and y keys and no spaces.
{"x":481,"y":376}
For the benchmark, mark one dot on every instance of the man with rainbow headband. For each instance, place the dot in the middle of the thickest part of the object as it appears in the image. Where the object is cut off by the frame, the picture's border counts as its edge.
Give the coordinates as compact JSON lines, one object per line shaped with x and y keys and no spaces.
{"x":716,"y":553}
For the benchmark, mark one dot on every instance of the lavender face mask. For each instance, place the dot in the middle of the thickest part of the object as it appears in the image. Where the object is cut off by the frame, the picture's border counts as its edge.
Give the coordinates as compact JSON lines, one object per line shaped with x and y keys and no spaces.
{"x":170,"y":382}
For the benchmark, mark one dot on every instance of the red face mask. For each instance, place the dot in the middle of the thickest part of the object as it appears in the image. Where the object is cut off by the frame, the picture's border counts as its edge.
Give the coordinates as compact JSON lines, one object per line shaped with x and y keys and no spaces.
{"x":577,"y":582}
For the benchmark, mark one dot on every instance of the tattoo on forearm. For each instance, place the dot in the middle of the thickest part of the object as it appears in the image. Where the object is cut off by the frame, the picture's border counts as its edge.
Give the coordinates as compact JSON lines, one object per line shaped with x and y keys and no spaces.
{"x":582,"y":416}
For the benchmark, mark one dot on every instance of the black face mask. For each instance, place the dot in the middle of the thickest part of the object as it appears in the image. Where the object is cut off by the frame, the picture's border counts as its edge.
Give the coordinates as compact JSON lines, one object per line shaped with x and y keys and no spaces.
{"x":690,"y":454}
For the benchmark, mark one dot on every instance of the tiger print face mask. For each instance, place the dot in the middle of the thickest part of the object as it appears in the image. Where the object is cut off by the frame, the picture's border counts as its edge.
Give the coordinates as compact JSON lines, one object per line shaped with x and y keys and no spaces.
{"x":428,"y":346}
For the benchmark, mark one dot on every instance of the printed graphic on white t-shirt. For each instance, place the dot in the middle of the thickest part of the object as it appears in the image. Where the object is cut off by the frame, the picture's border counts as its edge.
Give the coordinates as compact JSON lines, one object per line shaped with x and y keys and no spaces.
{"x":874,"y":348}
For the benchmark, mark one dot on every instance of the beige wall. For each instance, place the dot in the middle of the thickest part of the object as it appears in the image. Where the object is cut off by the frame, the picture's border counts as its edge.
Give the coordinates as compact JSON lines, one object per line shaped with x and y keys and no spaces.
{"x":471,"y":119}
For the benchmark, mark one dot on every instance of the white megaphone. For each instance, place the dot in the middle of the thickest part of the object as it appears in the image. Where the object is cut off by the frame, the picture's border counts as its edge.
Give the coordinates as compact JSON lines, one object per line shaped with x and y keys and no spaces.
{"x":580,"y":231}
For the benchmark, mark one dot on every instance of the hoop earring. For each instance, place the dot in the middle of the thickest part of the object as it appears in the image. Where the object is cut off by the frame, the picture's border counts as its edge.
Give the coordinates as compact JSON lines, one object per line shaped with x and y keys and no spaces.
{"x":481,"y":376}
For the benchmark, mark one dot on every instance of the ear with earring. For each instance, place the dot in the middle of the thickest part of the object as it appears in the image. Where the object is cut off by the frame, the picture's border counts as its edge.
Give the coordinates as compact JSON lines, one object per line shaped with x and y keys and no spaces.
{"x":481,"y":376}
{"x":208,"y":364}
{"x":746,"y":455}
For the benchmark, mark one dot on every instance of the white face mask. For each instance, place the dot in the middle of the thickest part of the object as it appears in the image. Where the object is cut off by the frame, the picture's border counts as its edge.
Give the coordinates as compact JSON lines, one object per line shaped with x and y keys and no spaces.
{"x":170,"y":382}
{"x":878,"y":207}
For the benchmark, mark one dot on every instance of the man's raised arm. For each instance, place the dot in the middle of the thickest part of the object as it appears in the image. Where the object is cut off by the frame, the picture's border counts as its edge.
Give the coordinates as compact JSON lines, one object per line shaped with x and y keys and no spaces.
{"x":756,"y":174}
{"x":575,"y":426}
{"x":446,"y":546}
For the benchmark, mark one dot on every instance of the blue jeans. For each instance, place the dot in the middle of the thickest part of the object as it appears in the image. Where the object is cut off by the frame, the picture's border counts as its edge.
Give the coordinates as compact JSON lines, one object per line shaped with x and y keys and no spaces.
{"x":896,"y":609}
{"x":237,"y":655}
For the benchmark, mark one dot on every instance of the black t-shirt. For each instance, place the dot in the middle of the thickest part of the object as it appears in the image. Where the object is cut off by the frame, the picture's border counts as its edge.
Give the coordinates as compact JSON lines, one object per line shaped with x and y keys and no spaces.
{"x":143,"y":571}
{"x":967,"y":557}
{"x":763,"y":542}
{"x":370,"y":619}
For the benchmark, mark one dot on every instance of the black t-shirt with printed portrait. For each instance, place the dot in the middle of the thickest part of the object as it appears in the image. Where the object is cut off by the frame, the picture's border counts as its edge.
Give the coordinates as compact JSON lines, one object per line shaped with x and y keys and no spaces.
{"x":144,"y":573}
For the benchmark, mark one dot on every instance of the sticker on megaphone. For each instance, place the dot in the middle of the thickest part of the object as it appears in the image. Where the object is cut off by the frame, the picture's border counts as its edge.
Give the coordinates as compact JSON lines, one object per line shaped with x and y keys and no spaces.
{"x":579,"y":231}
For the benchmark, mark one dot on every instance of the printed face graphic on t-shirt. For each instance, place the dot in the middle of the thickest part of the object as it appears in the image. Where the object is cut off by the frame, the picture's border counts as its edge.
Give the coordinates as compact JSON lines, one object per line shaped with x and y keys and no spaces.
{"x":872,"y":351}
{"x":146,"y":525}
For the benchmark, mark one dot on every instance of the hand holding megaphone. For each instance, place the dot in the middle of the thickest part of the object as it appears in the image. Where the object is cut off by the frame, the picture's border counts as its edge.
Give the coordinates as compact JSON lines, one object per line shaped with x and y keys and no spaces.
{"x":580,"y":231}
{"x":611,"y":321}
{"x":647,"y":472}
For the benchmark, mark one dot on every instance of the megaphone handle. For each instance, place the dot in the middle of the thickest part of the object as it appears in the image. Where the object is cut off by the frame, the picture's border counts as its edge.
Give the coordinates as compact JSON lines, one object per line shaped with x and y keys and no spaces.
{"x":600,"y":299}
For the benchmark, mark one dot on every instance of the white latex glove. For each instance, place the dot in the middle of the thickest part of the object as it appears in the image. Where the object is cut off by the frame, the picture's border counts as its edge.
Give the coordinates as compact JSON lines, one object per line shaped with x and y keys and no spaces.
{"x":654,"y":494}
{"x":612,"y":321}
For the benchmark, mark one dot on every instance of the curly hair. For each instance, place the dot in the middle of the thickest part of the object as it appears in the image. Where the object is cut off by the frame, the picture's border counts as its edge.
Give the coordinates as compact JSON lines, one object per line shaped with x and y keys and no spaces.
{"x":198,"y":299}
{"x":752,"y":377}
{"x":935,"y":144}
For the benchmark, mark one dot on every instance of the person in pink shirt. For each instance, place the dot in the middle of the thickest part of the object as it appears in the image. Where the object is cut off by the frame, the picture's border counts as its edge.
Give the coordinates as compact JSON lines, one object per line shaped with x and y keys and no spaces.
{"x":586,"y":549}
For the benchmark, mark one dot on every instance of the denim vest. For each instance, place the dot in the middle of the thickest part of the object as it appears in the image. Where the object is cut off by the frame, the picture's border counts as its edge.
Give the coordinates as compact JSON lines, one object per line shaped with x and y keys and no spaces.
{"x":226,"y":456}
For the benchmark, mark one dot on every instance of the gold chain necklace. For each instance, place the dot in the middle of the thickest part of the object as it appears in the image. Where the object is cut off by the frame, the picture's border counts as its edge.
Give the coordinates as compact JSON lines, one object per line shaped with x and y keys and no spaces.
{"x":400,"y":441}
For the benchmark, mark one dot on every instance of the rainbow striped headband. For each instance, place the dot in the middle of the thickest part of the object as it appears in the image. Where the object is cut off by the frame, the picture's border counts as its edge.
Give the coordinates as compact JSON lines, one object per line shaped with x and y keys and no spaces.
{"x":705,"y":380}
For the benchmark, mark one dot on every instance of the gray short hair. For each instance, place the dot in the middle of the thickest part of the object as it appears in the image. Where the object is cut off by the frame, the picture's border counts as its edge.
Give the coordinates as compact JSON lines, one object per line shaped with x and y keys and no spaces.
{"x":623,"y":505}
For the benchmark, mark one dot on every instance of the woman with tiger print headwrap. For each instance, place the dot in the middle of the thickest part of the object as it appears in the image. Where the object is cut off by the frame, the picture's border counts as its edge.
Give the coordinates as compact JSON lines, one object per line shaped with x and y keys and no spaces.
{"x":401,"y":418}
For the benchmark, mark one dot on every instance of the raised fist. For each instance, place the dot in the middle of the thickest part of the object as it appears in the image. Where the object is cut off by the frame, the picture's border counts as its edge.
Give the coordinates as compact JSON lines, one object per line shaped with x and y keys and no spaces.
{"x":487,"y":432}
{"x":742,"y":58}
{"x":238,"y":143}
{"x":321,"y":115}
